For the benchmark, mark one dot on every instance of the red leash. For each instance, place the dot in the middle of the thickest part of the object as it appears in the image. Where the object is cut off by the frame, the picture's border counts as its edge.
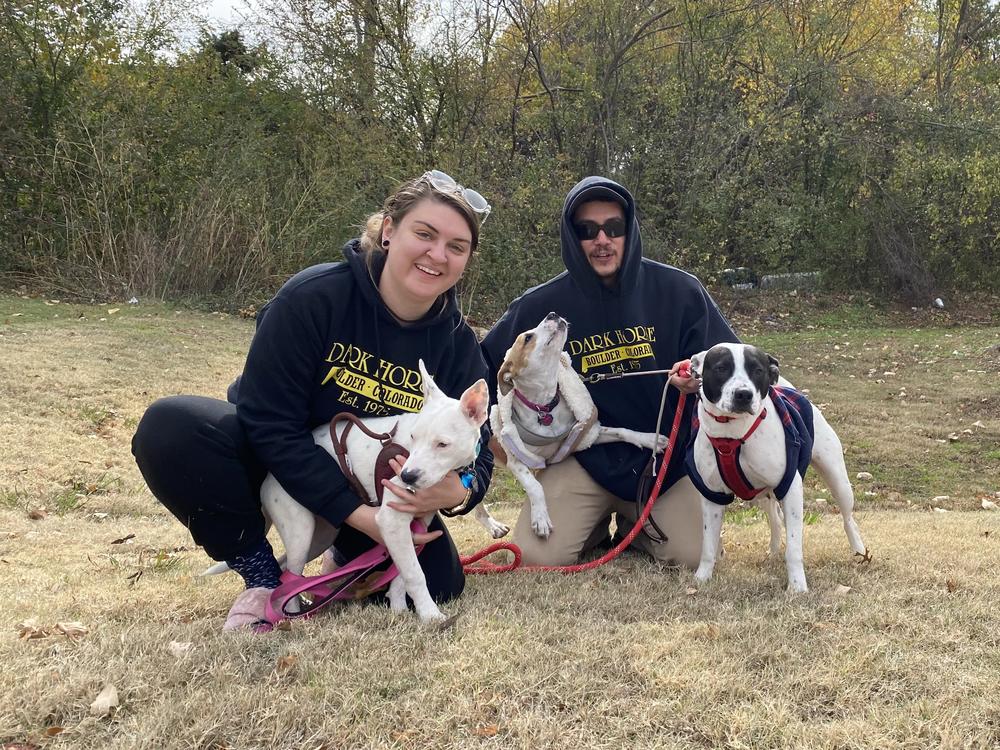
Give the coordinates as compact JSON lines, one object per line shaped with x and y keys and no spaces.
{"x":475,"y":565}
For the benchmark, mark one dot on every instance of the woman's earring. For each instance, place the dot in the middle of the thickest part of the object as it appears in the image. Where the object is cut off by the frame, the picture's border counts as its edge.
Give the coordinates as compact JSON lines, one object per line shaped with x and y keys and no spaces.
{"x":385,"y":244}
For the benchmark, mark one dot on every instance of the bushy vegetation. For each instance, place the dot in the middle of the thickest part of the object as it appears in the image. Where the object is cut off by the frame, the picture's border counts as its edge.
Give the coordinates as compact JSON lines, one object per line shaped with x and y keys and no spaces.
{"x":855,"y":137}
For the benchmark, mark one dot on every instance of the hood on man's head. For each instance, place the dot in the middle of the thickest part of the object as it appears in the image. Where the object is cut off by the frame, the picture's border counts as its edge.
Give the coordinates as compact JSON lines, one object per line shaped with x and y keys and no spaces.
{"x":595,"y":188}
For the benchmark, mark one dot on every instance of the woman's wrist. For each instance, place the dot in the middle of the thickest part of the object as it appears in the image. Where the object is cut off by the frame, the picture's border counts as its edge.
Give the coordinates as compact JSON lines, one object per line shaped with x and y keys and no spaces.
{"x":469,"y":486}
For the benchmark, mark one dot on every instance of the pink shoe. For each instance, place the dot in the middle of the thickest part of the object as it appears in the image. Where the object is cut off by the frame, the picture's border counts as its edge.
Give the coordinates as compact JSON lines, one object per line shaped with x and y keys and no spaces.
{"x":248,"y":611}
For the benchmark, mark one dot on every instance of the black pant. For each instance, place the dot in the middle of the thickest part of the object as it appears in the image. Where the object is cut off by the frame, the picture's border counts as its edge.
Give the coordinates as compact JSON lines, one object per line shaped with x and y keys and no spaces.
{"x":195,"y":457}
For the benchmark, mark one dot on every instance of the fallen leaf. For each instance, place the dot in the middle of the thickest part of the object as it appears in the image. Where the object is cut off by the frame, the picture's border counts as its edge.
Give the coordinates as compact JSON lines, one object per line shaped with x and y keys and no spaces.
{"x":106,"y":702}
{"x":286,"y":664}
{"x":30,"y":630}
{"x":864,"y":476}
{"x":940,"y":510}
{"x":952,"y":585}
{"x":179,"y":650}
{"x":940,"y":498}
{"x":53,"y":731}
{"x":113,"y":310}
{"x":488,"y":730}
{"x":989,"y":505}
{"x":124,"y":539}
{"x":285,"y":625}
{"x":72,"y":629}
{"x":978,"y":423}
{"x":841,"y":590}
{"x":691,"y":591}
{"x":37,"y":514}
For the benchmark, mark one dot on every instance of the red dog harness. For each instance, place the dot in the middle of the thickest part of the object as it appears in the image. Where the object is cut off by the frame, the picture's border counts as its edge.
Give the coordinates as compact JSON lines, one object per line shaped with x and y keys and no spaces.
{"x":795,"y":414}
{"x":727,"y":457}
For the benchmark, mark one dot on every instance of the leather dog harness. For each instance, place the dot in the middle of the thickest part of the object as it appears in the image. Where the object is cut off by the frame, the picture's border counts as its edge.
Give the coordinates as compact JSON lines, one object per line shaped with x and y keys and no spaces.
{"x":390,"y":450}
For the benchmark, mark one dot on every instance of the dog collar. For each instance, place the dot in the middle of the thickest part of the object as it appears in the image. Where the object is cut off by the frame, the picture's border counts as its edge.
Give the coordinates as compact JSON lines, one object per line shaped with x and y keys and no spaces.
{"x":543,"y":410}
{"x":468,"y":473}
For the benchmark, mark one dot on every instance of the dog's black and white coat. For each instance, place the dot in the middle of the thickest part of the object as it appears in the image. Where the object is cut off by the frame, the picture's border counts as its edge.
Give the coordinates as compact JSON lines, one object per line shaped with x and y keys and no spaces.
{"x":740,"y":409}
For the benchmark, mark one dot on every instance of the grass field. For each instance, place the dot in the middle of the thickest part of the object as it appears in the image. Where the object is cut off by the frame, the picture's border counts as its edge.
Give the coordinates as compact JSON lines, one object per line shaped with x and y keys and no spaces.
{"x":903,"y":653}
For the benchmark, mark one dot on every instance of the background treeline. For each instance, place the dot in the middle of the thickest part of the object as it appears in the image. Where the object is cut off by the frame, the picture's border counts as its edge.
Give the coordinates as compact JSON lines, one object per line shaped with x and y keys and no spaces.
{"x":855,"y":137}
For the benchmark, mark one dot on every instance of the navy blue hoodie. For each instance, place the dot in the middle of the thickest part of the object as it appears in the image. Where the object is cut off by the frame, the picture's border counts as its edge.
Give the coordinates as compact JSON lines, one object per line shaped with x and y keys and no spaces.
{"x":326,"y":343}
{"x":653,"y":316}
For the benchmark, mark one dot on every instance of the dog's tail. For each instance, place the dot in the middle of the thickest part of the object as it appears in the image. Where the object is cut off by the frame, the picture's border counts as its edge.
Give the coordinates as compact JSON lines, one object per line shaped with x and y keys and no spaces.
{"x":219,"y":567}
{"x":222,"y":567}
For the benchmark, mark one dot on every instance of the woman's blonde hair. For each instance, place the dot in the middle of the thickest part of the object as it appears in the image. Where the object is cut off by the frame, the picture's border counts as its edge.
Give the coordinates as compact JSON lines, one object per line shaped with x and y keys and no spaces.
{"x":400,"y":203}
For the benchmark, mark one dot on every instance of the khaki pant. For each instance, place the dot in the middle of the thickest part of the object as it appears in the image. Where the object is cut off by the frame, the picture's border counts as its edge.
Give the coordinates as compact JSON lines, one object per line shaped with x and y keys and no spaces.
{"x":580,"y":510}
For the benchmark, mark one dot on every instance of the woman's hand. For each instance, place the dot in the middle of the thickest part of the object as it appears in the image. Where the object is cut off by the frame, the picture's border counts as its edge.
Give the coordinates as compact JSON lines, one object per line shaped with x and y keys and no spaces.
{"x":447,"y":493}
{"x":363,"y":519}
{"x":687,"y":385}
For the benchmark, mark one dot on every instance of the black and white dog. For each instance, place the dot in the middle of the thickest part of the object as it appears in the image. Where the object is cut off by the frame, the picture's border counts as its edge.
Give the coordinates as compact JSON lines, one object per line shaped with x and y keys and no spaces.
{"x":756,"y":436}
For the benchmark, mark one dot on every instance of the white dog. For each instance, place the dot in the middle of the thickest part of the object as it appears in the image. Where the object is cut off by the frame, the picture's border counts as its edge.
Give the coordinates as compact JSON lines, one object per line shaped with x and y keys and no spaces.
{"x":443,"y":436}
{"x":544,"y":412}
{"x":754,"y":438}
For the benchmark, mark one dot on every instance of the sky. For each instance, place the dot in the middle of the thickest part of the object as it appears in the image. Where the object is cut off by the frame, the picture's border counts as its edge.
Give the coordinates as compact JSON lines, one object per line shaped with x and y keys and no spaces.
{"x":225,"y":11}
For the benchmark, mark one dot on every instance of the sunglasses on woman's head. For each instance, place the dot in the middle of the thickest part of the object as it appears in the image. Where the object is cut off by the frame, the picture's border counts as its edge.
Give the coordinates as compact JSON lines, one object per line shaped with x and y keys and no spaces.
{"x":588,"y":230}
{"x":445,"y":183}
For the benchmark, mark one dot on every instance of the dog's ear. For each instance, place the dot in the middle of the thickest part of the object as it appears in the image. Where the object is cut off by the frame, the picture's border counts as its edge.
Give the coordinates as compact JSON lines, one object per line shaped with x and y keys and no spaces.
{"x":427,"y":384}
{"x":772,"y":369}
{"x":697,"y":361}
{"x":475,"y":402}
{"x":508,"y":370}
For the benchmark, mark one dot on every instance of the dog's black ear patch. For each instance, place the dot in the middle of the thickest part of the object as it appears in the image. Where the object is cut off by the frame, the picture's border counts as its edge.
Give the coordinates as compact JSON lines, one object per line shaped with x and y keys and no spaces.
{"x":772,"y":369}
{"x":716,"y":369}
{"x":758,"y":368}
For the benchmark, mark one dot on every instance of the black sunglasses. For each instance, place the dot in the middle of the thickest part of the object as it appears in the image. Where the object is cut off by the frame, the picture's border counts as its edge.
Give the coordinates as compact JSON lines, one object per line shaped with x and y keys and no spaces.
{"x":588,"y":230}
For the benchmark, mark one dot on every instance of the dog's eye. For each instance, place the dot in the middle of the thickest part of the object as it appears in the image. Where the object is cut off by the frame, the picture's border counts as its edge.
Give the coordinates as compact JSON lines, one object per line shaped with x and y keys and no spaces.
{"x":528,"y":337}
{"x":442,"y":444}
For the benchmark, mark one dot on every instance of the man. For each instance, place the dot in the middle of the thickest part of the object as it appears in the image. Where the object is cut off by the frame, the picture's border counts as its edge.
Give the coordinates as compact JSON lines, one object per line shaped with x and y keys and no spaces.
{"x":627,"y":314}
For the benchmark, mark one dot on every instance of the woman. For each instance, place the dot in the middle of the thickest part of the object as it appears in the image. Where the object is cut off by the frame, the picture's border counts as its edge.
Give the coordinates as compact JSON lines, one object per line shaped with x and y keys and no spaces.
{"x":336,"y":337}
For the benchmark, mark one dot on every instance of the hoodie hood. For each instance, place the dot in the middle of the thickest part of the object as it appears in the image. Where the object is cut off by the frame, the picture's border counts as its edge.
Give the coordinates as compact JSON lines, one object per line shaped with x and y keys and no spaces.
{"x":446,"y":308}
{"x":591,"y":189}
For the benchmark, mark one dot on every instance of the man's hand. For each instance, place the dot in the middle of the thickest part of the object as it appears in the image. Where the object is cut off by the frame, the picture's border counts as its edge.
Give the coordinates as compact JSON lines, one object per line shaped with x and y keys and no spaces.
{"x":363,"y":519}
{"x":447,"y":493}
{"x":688,"y":384}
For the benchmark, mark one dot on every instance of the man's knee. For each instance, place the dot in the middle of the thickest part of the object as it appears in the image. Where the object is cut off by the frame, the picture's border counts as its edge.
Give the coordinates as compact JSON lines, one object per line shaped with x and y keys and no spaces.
{"x":538,"y":551}
{"x":677,"y":554}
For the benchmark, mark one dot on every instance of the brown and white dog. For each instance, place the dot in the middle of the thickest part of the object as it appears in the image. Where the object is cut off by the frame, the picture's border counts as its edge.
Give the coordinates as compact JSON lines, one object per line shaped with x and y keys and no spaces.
{"x":544,"y":412}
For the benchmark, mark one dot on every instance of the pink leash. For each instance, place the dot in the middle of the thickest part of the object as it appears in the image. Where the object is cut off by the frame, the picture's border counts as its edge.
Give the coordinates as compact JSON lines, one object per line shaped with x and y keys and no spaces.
{"x":335,"y":586}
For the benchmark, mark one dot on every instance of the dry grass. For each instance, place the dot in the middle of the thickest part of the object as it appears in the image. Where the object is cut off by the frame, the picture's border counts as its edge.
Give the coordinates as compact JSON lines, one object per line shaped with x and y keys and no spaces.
{"x":625,"y":656}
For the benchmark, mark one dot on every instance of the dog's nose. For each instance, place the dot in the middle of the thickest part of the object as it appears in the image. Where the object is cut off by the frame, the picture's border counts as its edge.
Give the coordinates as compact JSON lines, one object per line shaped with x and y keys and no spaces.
{"x":552,"y":316}
{"x":742,"y":397}
{"x":409,"y":476}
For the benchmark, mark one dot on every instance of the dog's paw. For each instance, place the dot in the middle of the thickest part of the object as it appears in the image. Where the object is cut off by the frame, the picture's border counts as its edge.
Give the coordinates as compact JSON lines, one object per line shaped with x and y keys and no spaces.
{"x":498,"y":530}
{"x":541,"y":524}
{"x":431,"y":615}
{"x":397,"y":595}
{"x":797,"y":587}
{"x":703,"y":575}
{"x":661,"y":443}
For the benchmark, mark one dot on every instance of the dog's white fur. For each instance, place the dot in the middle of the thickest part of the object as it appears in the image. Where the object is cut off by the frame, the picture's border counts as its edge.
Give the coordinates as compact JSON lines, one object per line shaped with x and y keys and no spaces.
{"x":537,"y":366}
{"x":763,"y":459}
{"x":441,"y":437}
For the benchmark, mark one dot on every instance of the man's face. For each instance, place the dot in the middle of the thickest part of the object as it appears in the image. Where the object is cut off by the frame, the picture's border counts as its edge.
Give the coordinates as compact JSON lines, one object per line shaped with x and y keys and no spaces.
{"x":604,"y":253}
